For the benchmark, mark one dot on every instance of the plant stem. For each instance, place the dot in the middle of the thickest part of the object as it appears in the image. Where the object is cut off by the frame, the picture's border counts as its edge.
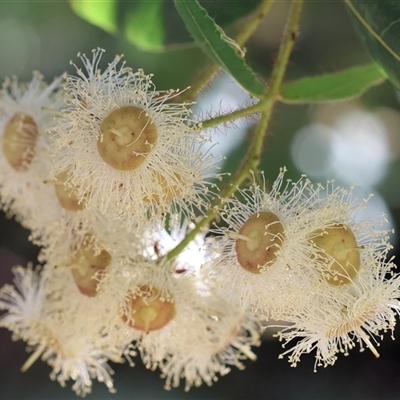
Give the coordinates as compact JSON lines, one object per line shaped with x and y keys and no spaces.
{"x":200,"y":83}
{"x":253,"y":155}
{"x":272,"y":92}
{"x":242,"y":112}
{"x":251,"y":24}
{"x":253,"y":21}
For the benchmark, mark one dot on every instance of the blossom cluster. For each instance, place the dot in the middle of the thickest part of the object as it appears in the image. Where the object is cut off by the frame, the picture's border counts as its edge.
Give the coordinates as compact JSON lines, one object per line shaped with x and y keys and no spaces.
{"x":109,"y":175}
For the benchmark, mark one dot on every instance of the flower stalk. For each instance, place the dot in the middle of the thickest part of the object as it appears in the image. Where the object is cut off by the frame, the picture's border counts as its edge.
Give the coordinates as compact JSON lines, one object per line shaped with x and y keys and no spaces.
{"x":253,"y":155}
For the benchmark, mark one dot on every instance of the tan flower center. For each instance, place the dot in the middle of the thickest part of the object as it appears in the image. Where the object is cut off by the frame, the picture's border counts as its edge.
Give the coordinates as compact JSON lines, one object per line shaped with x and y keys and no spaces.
{"x":337,"y":248}
{"x":67,"y":198}
{"x":85,"y":264}
{"x":128,"y":136}
{"x":148,"y":312}
{"x":258,"y":241}
{"x":19,"y":141}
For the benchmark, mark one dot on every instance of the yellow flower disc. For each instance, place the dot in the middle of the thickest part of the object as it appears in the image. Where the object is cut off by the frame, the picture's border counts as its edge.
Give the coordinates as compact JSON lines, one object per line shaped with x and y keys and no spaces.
{"x":85,"y":265}
{"x":148,"y":311}
{"x":67,"y":199}
{"x":260,"y":238}
{"x":128,"y":135}
{"x":340,"y":252}
{"x":19,"y":141}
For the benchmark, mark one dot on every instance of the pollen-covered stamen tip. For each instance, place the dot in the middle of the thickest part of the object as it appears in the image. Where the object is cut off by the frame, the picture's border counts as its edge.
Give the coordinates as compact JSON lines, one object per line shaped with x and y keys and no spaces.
{"x":148,"y":311}
{"x":337,"y":248}
{"x":127,"y":137}
{"x":19,"y":141}
{"x":258,"y":241}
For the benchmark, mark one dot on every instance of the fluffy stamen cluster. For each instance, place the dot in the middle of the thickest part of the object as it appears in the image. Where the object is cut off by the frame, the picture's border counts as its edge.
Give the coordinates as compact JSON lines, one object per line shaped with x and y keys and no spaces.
{"x":298,"y":255}
{"x":127,"y":148}
{"x":114,"y":180}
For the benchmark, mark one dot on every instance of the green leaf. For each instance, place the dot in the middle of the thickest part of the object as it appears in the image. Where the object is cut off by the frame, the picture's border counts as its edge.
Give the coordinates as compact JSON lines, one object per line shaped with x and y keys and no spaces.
{"x":154,"y":25}
{"x":101,"y":14}
{"x":144,"y":25}
{"x":216,"y":45}
{"x":344,"y":85}
{"x":377,"y":23}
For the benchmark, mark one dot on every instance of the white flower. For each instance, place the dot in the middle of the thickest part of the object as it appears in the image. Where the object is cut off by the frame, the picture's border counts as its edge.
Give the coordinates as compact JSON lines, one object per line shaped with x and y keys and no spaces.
{"x":152,"y":304}
{"x":24,"y":160}
{"x":259,"y":256}
{"x":283,"y":245}
{"x":176,"y":325}
{"x":129,"y":150}
{"x":218,"y":336}
{"x":335,"y":319}
{"x":64,"y":332}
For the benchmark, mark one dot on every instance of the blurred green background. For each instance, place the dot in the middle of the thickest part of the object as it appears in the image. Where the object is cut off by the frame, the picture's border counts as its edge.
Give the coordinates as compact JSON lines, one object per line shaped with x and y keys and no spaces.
{"x":353,"y":142}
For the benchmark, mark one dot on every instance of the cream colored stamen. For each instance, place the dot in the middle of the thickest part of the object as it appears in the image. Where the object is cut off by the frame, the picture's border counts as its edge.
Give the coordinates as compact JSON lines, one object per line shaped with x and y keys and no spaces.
{"x":124,"y":136}
{"x":33,"y":357}
{"x":365,"y":337}
{"x":82,"y":266}
{"x":248,"y":353}
{"x":253,"y":240}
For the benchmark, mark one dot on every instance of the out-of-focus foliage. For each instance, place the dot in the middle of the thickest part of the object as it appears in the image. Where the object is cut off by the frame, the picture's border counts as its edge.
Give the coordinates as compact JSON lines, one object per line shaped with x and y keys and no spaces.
{"x":102,"y":14}
{"x":377,"y":23}
{"x":154,"y":25}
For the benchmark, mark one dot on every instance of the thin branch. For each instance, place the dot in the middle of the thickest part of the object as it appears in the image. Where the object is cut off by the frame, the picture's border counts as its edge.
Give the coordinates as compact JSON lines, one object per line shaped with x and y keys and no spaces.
{"x":252,"y":23}
{"x":252,"y":158}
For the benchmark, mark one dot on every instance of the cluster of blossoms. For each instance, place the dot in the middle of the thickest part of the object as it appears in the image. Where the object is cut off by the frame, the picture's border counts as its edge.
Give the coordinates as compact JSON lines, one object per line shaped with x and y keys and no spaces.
{"x":109,"y":175}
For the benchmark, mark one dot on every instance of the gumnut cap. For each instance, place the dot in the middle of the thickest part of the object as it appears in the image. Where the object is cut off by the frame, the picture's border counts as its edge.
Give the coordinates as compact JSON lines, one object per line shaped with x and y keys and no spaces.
{"x":127,"y":137}
{"x":259,"y":241}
